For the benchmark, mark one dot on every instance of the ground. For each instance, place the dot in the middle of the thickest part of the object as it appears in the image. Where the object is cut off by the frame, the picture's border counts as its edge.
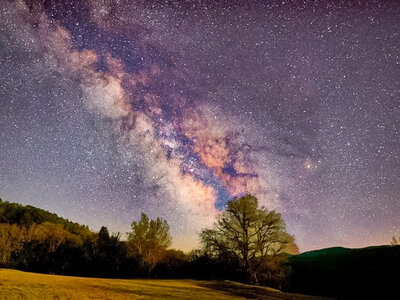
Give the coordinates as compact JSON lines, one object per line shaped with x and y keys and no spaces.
{"x":24,"y":285}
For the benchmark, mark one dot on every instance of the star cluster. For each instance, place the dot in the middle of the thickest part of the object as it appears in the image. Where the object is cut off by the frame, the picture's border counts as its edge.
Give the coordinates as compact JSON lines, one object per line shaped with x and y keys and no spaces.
{"x":113,"y":108}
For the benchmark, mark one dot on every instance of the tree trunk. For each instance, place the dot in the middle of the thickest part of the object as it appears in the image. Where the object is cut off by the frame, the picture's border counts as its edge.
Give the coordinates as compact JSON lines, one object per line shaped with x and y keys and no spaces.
{"x":253,"y":277}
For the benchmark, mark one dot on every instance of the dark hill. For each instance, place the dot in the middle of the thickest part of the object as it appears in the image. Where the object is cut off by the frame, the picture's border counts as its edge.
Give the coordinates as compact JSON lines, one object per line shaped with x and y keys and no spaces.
{"x":364,"y":273}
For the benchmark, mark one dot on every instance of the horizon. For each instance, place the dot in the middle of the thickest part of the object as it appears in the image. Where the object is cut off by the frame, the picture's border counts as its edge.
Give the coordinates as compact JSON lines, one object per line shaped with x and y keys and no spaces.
{"x":123,"y":237}
{"x":111,"y":109}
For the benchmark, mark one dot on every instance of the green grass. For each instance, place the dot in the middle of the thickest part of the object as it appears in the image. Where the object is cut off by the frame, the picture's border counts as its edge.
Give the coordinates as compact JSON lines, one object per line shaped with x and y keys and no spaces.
{"x":23,"y":285}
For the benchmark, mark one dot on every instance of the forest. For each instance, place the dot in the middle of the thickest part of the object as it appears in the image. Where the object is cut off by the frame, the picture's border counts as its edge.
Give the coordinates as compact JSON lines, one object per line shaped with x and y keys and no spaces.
{"x":36,"y":240}
{"x":246,"y":244}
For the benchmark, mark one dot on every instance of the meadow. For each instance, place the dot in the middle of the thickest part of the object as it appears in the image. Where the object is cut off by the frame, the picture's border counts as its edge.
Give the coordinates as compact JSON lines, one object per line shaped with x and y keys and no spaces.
{"x":24,"y":285}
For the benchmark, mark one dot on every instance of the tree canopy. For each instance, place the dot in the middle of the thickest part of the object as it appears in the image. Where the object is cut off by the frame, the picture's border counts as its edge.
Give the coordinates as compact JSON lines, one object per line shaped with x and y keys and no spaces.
{"x":250,"y":235}
{"x":149,"y":238}
{"x":26,"y":215}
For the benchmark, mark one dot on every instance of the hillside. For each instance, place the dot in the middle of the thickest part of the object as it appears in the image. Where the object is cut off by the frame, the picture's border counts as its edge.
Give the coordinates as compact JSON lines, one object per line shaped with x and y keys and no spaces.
{"x":24,"y":285}
{"x":26,"y":215}
{"x":334,"y":272}
{"x":342,"y":272}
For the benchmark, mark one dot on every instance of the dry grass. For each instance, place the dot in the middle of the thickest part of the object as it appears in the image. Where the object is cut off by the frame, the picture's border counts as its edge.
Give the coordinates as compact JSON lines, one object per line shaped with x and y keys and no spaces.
{"x":23,"y":285}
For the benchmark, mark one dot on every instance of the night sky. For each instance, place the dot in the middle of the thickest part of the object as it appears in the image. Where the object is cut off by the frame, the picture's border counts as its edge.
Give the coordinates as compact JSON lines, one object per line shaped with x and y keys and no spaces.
{"x":113,"y":108}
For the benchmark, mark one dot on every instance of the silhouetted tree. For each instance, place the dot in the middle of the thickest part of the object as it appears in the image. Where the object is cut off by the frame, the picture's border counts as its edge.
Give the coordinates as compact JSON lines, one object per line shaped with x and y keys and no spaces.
{"x":395,"y":241}
{"x":171,"y":265}
{"x":103,"y":235}
{"x":252,"y":236}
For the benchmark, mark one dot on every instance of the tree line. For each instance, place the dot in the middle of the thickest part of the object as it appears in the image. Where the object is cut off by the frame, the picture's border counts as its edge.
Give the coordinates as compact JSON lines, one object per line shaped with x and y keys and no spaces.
{"x":247,"y":243}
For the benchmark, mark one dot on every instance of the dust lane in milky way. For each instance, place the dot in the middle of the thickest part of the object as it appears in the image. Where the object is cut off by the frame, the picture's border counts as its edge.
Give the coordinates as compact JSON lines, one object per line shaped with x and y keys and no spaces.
{"x":113,"y":108}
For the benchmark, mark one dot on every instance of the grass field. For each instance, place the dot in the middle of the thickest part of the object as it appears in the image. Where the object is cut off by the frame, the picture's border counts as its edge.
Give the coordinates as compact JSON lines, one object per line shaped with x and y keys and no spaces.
{"x":23,"y":285}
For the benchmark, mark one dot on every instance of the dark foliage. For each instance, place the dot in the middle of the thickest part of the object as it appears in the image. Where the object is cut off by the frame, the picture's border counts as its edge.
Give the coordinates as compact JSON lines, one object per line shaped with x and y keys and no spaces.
{"x":172,"y":265}
{"x":367,"y":273}
{"x":72,"y":249}
{"x":203,"y":266}
{"x":35,"y":240}
{"x":66,"y":248}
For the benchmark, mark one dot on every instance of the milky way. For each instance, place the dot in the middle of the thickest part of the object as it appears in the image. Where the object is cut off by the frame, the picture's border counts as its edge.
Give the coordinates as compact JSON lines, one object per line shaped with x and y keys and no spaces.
{"x":113,"y":108}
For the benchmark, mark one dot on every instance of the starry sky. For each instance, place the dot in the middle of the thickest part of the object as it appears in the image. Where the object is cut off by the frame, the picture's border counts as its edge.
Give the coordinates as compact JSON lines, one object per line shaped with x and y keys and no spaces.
{"x":112,"y":108}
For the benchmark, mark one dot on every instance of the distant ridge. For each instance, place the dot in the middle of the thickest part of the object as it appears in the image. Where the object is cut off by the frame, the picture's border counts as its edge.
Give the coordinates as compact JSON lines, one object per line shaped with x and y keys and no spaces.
{"x":338,"y":250}
{"x":356,"y":273}
{"x":26,"y":215}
